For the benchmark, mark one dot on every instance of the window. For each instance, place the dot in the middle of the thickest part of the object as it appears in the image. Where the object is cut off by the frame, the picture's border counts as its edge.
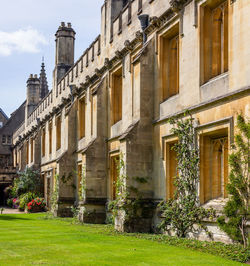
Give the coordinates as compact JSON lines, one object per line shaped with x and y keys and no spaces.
{"x":214,"y":165}
{"x":31,"y":150}
{"x":43,"y":142}
{"x":1,"y":124}
{"x":169,"y":57}
{"x":9,"y":139}
{"x":92,"y":113}
{"x":50,"y":137}
{"x":171,"y":169}
{"x":116,"y":96}
{"x":48,"y":190}
{"x":58,"y":133}
{"x":3,"y":139}
{"x":114,"y":161}
{"x":214,"y":41}
{"x":27,"y":152}
{"x":81,"y":114}
{"x":79,"y":186}
{"x":139,"y":6}
{"x":136,"y":79}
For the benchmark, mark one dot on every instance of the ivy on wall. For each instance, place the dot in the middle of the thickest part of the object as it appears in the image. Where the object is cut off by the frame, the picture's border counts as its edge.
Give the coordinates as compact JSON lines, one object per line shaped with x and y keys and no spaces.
{"x":183,"y":212}
{"x":237,"y":210}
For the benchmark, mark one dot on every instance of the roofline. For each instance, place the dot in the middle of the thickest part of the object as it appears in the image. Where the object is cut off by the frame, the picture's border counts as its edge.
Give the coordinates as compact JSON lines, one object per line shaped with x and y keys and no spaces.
{"x":1,"y":110}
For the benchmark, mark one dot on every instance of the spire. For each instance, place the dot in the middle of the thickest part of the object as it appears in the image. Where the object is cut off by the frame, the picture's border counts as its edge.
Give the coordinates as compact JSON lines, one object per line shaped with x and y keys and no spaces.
{"x":43,"y":81}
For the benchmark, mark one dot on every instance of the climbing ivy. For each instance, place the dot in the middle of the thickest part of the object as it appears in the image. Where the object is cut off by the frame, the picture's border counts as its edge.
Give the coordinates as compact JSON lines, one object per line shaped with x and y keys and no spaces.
{"x":237,"y":209}
{"x":55,"y":194}
{"x":82,"y":188}
{"x":128,"y":198}
{"x":183,"y":212}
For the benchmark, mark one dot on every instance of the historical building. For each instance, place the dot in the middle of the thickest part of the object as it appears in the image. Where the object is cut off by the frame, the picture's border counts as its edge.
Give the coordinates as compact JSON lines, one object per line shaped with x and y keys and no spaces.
{"x":7,"y":169}
{"x":37,"y":88}
{"x":153,"y":60}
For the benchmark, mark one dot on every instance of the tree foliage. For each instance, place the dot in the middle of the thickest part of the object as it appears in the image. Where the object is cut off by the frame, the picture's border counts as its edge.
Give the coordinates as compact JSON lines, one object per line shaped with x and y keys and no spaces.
{"x":236,"y":211}
{"x":183,"y":212}
{"x":27,"y":181}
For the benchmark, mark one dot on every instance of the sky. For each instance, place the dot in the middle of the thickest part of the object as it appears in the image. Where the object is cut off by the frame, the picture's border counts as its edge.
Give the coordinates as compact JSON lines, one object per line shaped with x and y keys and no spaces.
{"x":27,"y":33}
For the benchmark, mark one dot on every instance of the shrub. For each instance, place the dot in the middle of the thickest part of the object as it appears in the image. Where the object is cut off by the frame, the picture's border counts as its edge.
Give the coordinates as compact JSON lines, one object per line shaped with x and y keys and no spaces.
{"x":237,"y":209}
{"x":25,"y":199}
{"x":37,"y":205}
{"x":10,"y":202}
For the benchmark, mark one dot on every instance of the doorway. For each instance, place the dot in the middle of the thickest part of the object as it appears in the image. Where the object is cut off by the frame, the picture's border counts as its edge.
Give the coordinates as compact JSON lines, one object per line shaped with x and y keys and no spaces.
{"x":3,"y":195}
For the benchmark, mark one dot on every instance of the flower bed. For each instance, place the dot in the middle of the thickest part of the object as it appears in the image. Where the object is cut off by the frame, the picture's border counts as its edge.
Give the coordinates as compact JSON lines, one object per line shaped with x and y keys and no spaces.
{"x":36,"y":205}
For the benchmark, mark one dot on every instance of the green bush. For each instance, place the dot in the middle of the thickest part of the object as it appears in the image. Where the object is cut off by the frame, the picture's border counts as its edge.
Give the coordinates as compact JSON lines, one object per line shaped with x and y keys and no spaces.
{"x":25,"y":199}
{"x":237,"y":210}
{"x":10,"y":202}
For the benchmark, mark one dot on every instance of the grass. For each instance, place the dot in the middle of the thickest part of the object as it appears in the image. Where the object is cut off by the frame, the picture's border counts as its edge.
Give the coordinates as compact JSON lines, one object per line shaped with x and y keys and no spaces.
{"x":30,"y":239}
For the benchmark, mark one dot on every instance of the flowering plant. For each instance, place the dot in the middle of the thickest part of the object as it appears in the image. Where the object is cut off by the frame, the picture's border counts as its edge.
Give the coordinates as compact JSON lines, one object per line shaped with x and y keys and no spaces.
{"x":15,"y":202}
{"x":36,"y":205}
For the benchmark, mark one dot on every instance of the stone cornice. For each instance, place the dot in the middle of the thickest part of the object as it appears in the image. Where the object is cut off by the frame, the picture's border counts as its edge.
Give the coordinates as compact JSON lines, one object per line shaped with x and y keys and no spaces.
{"x":193,"y":109}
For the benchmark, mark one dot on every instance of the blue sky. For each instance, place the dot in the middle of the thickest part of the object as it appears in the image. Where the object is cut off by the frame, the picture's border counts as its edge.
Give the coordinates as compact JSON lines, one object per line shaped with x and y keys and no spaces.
{"x":27,"y":29}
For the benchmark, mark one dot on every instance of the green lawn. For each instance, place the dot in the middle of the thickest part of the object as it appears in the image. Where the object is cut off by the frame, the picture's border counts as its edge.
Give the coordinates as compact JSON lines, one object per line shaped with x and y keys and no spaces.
{"x":28,"y":239}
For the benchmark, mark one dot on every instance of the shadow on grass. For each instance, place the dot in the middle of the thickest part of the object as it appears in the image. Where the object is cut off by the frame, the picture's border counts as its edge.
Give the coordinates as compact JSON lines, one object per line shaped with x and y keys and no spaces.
{"x":7,"y":217}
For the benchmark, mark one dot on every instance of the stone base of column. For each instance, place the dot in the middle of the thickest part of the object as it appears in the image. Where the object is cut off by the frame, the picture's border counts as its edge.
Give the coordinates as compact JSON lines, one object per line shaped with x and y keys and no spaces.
{"x":92,"y":211}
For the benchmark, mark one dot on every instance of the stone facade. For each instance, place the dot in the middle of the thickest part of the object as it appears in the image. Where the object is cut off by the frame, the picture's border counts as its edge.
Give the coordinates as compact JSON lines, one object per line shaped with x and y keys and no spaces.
{"x":7,"y":169}
{"x":117,"y":97}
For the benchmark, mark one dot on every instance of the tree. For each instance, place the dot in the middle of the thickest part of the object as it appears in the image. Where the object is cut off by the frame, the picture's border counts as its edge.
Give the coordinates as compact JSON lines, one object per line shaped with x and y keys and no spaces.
{"x":27,"y":181}
{"x":236,"y":211}
{"x":183,"y":212}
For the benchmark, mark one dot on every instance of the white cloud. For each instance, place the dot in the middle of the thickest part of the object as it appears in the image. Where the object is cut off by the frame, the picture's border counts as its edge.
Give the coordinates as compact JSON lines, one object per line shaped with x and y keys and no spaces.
{"x":24,"y":41}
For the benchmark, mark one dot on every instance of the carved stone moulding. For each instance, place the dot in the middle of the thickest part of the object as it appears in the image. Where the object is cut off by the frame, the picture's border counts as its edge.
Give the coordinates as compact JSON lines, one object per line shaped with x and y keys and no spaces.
{"x":139,"y":36}
{"x":98,"y":72}
{"x":177,"y":5}
{"x":107,"y":63}
{"x":128,"y":45}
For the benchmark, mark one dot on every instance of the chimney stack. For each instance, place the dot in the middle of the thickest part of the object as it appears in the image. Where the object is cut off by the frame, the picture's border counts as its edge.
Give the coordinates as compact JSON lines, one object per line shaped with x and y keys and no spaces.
{"x":33,"y":93}
{"x":65,"y":42}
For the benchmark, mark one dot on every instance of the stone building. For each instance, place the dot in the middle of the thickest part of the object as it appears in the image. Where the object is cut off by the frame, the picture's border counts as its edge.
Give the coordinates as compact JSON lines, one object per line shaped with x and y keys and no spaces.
{"x":7,"y":169}
{"x":153,"y":60}
{"x":37,"y":88}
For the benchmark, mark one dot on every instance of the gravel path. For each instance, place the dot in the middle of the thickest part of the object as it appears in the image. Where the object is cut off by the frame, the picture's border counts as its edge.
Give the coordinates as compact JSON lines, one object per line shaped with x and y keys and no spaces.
{"x":9,"y":210}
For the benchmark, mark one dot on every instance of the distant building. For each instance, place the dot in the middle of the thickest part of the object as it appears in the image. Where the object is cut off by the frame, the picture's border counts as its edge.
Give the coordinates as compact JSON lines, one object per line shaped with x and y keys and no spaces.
{"x":37,"y":89}
{"x":3,"y":118}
